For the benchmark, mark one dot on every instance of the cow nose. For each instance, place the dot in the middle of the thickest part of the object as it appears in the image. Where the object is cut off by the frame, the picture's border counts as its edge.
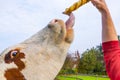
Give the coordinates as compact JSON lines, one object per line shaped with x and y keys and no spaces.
{"x":54,"y":21}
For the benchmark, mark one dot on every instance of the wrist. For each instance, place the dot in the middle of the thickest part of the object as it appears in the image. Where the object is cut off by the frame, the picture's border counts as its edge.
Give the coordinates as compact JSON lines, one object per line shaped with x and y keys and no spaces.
{"x":105,"y":12}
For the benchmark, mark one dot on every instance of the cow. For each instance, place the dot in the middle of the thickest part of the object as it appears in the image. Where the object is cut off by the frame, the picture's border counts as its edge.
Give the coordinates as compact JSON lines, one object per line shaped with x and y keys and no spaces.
{"x":41,"y":56}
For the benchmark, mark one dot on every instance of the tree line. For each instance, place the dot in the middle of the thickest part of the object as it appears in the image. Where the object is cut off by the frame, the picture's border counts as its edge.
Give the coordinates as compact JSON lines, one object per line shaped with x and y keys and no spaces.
{"x":89,"y":62}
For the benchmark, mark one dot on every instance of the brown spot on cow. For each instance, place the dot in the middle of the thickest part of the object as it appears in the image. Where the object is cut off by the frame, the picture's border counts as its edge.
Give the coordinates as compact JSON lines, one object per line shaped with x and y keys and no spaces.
{"x":14,"y":73}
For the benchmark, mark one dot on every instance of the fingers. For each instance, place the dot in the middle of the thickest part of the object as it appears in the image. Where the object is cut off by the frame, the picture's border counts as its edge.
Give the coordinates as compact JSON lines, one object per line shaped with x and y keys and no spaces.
{"x":100,"y":5}
{"x":96,"y":2}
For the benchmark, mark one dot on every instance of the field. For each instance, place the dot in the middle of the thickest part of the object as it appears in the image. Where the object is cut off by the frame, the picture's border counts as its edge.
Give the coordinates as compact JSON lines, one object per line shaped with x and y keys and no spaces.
{"x":82,"y":77}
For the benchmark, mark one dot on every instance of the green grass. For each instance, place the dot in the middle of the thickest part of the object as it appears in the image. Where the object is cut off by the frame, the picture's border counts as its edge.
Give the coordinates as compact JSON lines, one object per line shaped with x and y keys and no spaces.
{"x":81,"y":77}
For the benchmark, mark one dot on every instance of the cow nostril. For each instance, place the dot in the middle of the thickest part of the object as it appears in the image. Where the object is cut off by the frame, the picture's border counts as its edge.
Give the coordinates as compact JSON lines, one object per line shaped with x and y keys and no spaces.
{"x":56,"y":20}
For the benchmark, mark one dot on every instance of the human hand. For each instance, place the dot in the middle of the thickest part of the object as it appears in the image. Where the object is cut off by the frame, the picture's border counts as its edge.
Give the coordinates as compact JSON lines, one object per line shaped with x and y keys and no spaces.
{"x":100,"y":5}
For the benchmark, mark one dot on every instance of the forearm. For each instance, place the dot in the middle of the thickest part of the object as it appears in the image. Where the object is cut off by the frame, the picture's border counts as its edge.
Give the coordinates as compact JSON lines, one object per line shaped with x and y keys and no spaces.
{"x":108,"y":29}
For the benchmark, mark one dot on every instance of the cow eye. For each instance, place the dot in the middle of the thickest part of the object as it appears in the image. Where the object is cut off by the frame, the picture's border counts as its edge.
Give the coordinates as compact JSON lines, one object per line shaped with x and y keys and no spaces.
{"x":14,"y":53}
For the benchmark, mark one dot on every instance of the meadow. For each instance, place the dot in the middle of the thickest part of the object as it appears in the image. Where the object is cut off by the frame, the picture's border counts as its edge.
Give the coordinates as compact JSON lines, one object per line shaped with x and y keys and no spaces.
{"x":82,"y":77}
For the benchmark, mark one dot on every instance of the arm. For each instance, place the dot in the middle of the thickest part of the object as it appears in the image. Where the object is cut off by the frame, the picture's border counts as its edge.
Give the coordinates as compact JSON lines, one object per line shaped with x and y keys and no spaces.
{"x":111,"y":48}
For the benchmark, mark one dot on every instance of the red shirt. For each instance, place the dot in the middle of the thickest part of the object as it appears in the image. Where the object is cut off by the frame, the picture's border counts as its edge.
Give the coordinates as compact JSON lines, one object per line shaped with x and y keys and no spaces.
{"x":111,"y":50}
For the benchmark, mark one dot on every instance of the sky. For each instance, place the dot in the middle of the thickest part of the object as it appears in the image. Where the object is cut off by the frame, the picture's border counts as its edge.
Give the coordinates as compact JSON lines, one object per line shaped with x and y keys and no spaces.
{"x":20,"y":19}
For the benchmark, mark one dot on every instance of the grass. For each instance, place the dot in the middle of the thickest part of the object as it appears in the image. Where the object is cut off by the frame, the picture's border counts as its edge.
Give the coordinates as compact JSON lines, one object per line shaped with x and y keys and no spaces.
{"x":82,"y":77}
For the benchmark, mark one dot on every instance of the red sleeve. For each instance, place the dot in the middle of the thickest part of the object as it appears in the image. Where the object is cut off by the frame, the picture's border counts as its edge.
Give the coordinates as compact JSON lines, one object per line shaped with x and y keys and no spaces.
{"x":111,"y":52}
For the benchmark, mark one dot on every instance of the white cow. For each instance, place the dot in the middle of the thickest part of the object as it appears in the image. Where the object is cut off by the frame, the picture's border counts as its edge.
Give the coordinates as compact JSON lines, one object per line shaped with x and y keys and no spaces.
{"x":41,"y":56}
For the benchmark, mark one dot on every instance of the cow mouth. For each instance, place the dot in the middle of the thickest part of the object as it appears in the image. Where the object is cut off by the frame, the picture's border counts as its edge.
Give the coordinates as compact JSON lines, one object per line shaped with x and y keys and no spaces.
{"x":69,"y":23}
